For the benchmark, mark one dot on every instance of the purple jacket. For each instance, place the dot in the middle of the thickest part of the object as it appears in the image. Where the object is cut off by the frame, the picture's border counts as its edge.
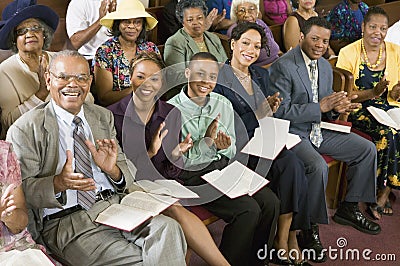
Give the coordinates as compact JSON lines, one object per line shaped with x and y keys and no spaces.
{"x":136,"y":137}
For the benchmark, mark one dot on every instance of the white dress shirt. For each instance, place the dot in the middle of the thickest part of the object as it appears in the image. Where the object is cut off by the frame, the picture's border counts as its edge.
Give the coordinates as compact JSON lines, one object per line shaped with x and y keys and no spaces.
{"x":66,"y":127}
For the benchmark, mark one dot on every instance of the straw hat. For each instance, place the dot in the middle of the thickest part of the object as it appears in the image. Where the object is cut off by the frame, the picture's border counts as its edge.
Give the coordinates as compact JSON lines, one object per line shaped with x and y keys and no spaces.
{"x":128,"y":9}
{"x":20,"y":10}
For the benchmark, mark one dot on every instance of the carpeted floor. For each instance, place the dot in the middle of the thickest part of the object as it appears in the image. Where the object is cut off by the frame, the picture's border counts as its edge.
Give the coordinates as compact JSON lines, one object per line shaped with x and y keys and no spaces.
{"x":342,"y":240}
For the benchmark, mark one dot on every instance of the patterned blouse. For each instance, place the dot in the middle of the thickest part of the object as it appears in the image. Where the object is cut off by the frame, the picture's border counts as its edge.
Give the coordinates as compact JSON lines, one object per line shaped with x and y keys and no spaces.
{"x":344,"y":21}
{"x":111,"y":57}
{"x":10,"y":173}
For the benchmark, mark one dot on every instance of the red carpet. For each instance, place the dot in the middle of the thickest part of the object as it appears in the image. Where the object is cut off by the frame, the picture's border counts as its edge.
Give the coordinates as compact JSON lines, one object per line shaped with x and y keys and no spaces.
{"x":384,"y":245}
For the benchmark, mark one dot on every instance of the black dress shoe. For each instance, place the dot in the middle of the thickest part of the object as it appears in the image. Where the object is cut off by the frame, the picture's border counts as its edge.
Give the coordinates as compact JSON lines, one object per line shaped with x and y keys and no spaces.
{"x":351,"y":215}
{"x":309,"y":239}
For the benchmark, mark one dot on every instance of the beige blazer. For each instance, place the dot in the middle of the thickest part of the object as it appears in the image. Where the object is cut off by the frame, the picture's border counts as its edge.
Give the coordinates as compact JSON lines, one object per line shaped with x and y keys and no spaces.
{"x":35,"y":139}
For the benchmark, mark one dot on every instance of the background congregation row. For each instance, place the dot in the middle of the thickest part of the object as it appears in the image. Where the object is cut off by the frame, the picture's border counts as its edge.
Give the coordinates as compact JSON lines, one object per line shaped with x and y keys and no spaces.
{"x":95,"y":94}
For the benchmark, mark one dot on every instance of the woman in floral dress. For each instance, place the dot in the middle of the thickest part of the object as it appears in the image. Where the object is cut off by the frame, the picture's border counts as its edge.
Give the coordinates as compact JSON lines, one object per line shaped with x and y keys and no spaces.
{"x":128,"y":25}
{"x":375,"y":66}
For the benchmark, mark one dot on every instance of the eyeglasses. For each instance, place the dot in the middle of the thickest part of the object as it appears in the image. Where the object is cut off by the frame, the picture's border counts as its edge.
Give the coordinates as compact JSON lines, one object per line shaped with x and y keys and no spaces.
{"x":241,"y":11}
{"x":65,"y":78}
{"x":34,"y":29}
{"x":136,"y":22}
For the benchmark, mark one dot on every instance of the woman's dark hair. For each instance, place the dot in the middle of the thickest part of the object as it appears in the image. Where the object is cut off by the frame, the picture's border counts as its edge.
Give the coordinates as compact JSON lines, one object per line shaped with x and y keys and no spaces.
{"x":315,"y":21}
{"x":375,"y":10}
{"x":116,"y":32}
{"x":48,"y":34}
{"x":185,"y":4}
{"x":147,"y":56}
{"x":245,"y":26}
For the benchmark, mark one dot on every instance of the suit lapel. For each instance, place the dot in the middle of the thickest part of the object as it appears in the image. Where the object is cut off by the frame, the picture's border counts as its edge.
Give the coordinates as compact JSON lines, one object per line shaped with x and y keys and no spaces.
{"x":303,"y":72}
{"x":322,"y":74}
{"x":95,"y":122}
{"x":190,"y":42}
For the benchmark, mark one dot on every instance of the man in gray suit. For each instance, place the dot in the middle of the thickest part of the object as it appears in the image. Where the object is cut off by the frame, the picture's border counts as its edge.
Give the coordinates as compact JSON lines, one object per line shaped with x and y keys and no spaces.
{"x":307,"y":98}
{"x":53,"y":181}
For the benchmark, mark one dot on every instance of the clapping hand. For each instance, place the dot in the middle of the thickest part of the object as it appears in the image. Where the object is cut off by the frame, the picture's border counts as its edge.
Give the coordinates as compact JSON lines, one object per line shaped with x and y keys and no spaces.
{"x":339,"y":102}
{"x":107,"y":6}
{"x":274,"y":101}
{"x":157,"y":139}
{"x":7,"y":203}
{"x":67,"y":179}
{"x":182,"y":147}
{"x":380,"y":87}
{"x":264,"y":109}
{"x":42,"y":69}
{"x":105,"y":156}
{"x":221,"y":140}
{"x":213,"y":18}
{"x":395,"y":92}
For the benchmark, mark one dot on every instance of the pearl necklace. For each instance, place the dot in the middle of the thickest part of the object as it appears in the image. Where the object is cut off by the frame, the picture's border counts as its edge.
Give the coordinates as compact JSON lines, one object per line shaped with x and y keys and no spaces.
{"x":378,"y":62}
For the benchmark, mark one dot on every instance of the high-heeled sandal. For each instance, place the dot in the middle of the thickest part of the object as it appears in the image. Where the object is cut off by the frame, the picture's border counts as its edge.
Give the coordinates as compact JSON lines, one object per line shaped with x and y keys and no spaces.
{"x":373,"y":207}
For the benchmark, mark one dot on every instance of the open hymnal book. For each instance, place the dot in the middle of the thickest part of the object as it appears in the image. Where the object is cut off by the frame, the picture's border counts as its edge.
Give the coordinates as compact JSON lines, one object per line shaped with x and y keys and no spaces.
{"x":134,"y":209}
{"x":26,"y":257}
{"x":389,"y":118}
{"x":335,"y":127}
{"x":236,"y":180}
{"x":292,"y":140}
{"x":269,"y":139}
{"x":166,"y":187}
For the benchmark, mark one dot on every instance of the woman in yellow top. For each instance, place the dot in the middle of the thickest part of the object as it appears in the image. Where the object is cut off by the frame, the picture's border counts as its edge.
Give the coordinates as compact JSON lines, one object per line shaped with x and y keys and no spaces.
{"x":375,"y":65}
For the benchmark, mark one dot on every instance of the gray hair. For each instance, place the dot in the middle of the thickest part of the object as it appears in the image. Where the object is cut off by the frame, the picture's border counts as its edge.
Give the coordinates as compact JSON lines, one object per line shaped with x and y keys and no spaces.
{"x":64,"y":54}
{"x":235,"y":3}
{"x":185,"y":4}
{"x":48,"y":35}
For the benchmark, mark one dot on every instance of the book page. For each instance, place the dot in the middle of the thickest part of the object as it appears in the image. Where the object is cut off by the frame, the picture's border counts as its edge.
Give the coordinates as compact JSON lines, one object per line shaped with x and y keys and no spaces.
{"x":382,"y":117}
{"x":25,"y":257}
{"x":292,"y":140}
{"x":269,"y":139}
{"x":394,"y":113}
{"x":149,"y":202}
{"x":235,"y":180}
{"x":123,"y":217}
{"x":227,"y":183}
{"x":257,"y":182}
{"x":177,"y":190}
{"x":335,"y":127}
{"x":153,"y":187}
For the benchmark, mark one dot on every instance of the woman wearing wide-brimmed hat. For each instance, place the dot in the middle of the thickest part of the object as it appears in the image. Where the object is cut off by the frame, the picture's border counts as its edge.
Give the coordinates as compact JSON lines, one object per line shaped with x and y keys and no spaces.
{"x":128,"y":25}
{"x":27,"y":29}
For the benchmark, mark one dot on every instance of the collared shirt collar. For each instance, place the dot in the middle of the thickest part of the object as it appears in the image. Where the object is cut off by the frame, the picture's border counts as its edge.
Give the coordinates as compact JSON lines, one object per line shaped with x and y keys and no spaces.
{"x":66,"y":116}
{"x":188,"y":103}
{"x":307,"y":61}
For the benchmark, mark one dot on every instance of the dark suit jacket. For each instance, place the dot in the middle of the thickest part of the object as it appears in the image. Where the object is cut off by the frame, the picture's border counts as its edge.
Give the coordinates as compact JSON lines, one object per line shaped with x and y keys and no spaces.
{"x":289,"y":76}
{"x":35,"y":139}
{"x":229,"y":86}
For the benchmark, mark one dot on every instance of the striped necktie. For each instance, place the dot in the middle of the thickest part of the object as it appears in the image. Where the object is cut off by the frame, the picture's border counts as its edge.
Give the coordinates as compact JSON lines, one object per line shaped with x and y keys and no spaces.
{"x":315,"y":134}
{"x":82,"y":163}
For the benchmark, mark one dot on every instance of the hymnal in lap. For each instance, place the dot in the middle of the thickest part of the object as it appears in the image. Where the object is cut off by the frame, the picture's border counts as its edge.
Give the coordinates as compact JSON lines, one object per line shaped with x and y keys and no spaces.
{"x":236,"y":180}
{"x":389,"y":118}
{"x":134,"y":209}
{"x":269,"y":139}
{"x":166,"y":187}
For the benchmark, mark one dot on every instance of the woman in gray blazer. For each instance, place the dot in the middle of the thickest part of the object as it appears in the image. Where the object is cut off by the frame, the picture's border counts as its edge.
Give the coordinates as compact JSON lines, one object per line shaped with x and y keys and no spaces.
{"x":193,"y":37}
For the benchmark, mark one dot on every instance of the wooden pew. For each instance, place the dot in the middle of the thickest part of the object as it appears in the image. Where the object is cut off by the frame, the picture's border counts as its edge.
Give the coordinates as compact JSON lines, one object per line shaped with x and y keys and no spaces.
{"x":393,"y":11}
{"x":277,"y":31}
